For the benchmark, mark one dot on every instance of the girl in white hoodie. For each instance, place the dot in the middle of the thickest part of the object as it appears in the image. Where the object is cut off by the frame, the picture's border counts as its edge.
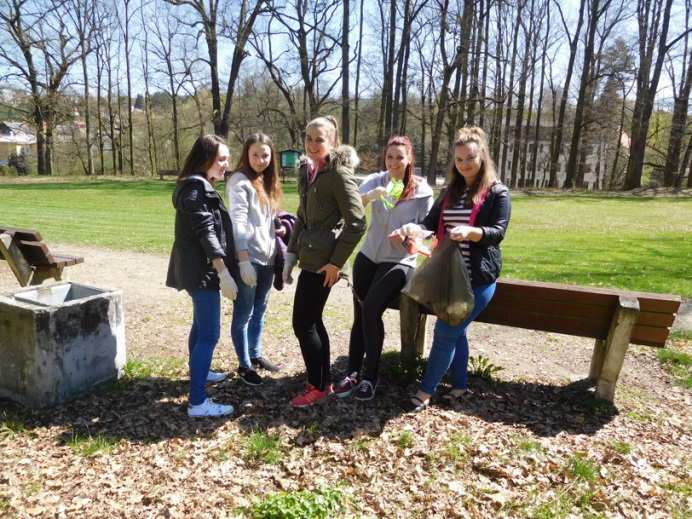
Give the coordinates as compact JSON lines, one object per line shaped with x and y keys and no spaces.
{"x":382,"y":266}
{"x":253,"y":193}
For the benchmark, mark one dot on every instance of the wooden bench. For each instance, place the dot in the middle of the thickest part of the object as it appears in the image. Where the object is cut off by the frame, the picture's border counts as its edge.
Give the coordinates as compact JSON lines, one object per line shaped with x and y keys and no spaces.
{"x":29,"y":258}
{"x":615,"y":318}
{"x":167,"y":173}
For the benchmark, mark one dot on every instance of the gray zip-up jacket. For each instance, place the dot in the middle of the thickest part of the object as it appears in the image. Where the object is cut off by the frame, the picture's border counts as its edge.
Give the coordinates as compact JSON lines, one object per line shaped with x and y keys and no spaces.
{"x":253,"y":225}
{"x":377,"y":247}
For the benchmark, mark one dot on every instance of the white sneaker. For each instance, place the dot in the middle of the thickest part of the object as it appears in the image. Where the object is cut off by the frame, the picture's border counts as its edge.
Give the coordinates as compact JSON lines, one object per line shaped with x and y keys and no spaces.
{"x":209,"y":408}
{"x":215,"y":376}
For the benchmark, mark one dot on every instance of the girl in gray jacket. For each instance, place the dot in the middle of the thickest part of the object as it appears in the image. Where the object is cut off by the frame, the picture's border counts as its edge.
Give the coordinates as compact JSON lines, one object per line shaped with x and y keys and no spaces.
{"x":382,"y":266}
{"x":253,"y":193}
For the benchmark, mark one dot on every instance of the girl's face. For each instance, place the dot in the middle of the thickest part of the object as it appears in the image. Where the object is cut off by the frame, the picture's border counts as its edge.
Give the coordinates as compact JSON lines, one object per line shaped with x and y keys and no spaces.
{"x":259,"y":156}
{"x":396,"y":160}
{"x":467,"y":159}
{"x":220,"y":165}
{"x":318,"y":143}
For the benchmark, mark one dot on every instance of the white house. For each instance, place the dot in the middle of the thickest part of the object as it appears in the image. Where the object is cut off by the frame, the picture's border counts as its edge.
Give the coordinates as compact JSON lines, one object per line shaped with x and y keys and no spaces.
{"x":15,"y":138}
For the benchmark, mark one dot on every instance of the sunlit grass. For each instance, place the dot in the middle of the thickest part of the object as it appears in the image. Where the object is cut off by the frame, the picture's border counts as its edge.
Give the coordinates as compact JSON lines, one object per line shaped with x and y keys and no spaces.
{"x":626,"y":242}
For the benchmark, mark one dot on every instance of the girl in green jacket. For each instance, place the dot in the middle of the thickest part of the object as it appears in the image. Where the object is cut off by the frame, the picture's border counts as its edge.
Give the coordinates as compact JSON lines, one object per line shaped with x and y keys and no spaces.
{"x":330,"y":223}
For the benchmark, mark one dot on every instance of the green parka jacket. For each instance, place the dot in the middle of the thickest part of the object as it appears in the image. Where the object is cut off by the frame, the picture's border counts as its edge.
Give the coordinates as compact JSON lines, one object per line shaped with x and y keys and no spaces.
{"x":331,"y":218}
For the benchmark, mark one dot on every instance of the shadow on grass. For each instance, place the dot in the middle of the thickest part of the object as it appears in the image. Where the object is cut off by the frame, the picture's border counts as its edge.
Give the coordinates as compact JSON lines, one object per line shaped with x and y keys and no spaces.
{"x":152,"y":409}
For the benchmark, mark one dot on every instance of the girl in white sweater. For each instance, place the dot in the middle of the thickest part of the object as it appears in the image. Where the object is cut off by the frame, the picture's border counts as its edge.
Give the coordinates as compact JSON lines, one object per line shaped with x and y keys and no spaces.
{"x":253,"y":193}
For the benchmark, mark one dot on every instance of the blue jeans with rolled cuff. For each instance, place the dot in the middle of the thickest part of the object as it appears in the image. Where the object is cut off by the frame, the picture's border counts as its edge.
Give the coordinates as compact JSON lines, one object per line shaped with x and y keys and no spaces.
{"x":248,"y":315}
{"x":450,"y":347}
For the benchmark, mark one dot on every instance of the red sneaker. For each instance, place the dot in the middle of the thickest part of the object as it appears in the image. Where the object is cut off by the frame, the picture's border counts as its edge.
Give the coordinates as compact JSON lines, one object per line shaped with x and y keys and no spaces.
{"x":311,"y":396}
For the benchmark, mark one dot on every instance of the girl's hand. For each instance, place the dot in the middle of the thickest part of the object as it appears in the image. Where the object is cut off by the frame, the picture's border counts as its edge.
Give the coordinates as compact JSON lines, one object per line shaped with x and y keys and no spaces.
{"x":465,"y":233}
{"x":331,"y":274}
{"x":396,"y":237}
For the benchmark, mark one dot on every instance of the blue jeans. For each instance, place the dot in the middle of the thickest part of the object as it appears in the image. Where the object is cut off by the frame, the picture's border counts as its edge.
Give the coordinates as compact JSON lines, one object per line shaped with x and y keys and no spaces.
{"x":204,"y":334}
{"x":451,"y":348}
{"x":248,"y":315}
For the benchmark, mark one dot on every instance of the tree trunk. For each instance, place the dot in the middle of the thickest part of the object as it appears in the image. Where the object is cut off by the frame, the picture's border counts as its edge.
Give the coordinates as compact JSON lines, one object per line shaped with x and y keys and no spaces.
{"x":686,"y":165}
{"x":510,"y":87}
{"x":572,"y":161}
{"x":646,"y":86}
{"x":677,"y":129}
{"x":556,"y":148}
{"x":486,"y":39}
{"x":345,"y":62}
{"x":360,"y":56}
{"x":500,"y":68}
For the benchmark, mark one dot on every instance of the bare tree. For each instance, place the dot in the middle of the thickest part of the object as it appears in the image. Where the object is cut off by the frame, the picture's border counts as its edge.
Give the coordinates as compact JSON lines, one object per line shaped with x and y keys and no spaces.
{"x":238,"y":31}
{"x":449,"y":66}
{"x":358,"y":64}
{"x":345,"y":62}
{"x":680,"y":107}
{"x":556,"y":144}
{"x":41,"y":52}
{"x":124,"y":18}
{"x":654,"y":21}
{"x":82,"y":13}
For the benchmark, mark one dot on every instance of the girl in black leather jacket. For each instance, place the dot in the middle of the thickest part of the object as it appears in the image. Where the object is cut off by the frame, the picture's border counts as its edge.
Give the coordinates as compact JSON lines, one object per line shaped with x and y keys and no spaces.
{"x":474,"y":211}
{"x":200,"y":260}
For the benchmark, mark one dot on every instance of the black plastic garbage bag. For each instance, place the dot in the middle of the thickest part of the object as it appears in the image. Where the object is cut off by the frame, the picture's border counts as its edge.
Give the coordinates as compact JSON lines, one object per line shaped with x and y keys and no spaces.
{"x":442,"y":284}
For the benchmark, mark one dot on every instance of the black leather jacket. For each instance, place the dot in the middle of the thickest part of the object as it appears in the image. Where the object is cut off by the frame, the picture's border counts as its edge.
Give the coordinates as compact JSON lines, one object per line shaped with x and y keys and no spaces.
{"x":203,"y":232}
{"x":492,"y":218}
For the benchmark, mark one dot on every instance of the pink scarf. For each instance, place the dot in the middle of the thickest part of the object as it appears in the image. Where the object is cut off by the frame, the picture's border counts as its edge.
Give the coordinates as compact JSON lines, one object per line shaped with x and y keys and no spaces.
{"x":313,"y":168}
{"x":472,"y":217}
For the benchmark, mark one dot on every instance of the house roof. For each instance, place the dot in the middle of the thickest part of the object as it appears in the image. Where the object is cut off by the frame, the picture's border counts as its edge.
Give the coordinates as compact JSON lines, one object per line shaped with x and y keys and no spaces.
{"x":15,"y":132}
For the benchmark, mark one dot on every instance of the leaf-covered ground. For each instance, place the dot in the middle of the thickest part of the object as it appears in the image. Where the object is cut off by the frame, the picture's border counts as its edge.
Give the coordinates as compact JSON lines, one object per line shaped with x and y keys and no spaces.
{"x":533,"y":442}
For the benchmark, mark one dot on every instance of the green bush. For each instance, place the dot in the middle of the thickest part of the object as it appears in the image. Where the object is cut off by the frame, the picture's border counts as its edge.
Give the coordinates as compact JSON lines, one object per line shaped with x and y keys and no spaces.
{"x":322,"y":503}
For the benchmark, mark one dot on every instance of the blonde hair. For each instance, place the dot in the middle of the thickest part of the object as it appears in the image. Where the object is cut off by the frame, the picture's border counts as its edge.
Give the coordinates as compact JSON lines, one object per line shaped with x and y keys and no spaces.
{"x":330,"y":123}
{"x":487,"y":175}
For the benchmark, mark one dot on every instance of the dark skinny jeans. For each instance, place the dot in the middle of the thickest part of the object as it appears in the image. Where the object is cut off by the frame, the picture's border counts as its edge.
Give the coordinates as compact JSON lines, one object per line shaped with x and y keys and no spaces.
{"x":308,"y":305}
{"x":375,"y":285}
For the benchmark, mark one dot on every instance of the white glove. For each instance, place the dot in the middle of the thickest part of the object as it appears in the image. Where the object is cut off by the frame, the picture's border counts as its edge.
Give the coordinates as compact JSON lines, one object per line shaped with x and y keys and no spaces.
{"x":228,"y":287}
{"x":247,"y":273}
{"x":374,"y":194}
{"x":411,"y":230}
{"x":289,"y":263}
{"x":460,"y":232}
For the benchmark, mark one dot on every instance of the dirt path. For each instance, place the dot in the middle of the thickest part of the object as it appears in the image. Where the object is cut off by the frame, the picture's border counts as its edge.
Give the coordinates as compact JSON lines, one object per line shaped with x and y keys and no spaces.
{"x":164,"y":464}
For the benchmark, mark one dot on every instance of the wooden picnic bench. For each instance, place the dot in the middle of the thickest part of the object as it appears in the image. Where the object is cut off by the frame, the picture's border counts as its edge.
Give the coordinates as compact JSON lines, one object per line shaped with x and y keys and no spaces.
{"x":29,"y":257}
{"x":615,"y":318}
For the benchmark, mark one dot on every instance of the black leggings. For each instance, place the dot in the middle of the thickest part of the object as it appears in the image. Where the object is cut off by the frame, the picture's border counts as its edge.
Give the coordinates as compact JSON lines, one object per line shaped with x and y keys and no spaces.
{"x":310,"y":298}
{"x":374,"y":286}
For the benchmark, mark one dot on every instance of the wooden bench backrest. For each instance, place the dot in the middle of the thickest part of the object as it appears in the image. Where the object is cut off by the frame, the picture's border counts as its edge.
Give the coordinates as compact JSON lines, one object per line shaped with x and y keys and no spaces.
{"x":22,"y":234}
{"x":580,"y":311}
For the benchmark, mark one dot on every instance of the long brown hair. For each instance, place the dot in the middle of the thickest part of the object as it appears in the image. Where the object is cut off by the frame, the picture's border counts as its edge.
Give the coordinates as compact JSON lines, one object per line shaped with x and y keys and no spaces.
{"x":487,"y":174}
{"x":409,"y":179}
{"x":267,"y":183}
{"x":201,"y":156}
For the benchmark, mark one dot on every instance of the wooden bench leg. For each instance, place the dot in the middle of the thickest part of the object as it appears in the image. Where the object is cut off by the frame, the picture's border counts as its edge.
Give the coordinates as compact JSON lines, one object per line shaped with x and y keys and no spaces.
{"x":599,"y":351}
{"x":15,"y":259}
{"x":609,"y":356}
{"x":42,"y":274}
{"x":412,"y":324}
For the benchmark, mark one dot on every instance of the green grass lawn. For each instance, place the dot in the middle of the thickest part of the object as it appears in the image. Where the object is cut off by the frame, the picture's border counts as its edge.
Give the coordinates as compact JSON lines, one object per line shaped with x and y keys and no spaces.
{"x":636,"y":243}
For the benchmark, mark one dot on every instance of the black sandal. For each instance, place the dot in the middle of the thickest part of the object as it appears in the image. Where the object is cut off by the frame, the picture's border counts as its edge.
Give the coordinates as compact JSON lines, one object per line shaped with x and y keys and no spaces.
{"x":416,"y":405}
{"x":450,"y":398}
